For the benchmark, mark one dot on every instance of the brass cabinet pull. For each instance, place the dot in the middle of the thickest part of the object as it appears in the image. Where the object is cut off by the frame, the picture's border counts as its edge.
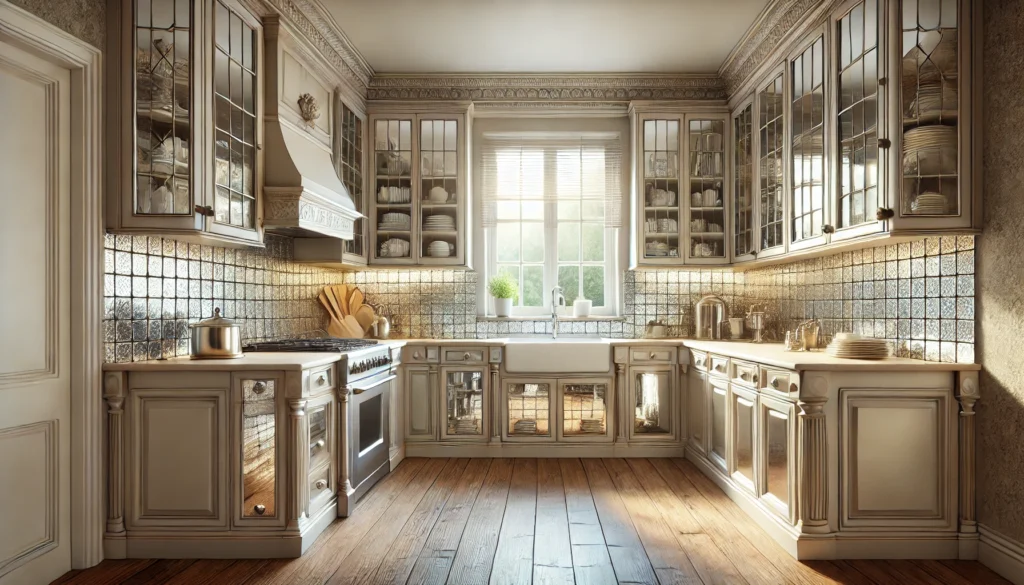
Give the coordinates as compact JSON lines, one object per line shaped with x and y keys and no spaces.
{"x":260,"y":509}
{"x":719,"y":368}
{"x":415,"y":355}
{"x":320,"y":484}
{"x":775,"y":382}
{"x":259,"y":388}
{"x":466,"y":356}
{"x":652,"y":355}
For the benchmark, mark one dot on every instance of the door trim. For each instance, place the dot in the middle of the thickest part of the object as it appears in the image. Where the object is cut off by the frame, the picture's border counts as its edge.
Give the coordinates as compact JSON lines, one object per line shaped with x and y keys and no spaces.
{"x":21,"y":28}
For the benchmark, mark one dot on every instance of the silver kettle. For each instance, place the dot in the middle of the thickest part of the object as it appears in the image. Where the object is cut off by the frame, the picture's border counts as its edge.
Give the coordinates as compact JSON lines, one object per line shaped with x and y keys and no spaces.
{"x":710,"y":317}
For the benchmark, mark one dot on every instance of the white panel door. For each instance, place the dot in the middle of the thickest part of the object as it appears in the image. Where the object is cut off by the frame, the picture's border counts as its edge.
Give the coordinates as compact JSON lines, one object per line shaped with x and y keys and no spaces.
{"x":35,"y":388}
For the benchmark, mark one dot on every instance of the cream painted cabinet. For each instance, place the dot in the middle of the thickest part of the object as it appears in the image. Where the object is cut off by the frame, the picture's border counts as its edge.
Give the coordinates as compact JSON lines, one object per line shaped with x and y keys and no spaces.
{"x":185,"y":120}
{"x":256,"y":459}
{"x":696,"y":393}
{"x":776,"y":450}
{"x":743,"y":436}
{"x":652,"y":404}
{"x":528,"y":413}
{"x":420,"y":400}
{"x":465,"y":403}
{"x":718,"y":422}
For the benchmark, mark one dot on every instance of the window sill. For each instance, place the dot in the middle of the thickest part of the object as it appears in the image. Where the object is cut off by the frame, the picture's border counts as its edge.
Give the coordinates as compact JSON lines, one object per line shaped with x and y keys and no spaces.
{"x":595,"y":318}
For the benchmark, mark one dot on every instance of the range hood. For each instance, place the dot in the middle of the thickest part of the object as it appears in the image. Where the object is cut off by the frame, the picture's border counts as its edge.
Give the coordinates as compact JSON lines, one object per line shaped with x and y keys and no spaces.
{"x":302,"y":195}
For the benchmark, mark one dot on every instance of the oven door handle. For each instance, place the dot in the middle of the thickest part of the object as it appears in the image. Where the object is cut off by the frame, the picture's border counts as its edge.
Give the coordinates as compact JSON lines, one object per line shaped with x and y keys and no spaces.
{"x":360,"y":389}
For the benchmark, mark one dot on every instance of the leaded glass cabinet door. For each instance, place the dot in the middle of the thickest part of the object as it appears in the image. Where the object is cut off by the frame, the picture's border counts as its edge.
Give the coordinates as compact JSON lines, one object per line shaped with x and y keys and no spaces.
{"x":809,"y":217}
{"x":660,"y":187}
{"x":393,"y":226}
{"x":744,"y":229}
{"x":771,"y":126}
{"x":706,"y":218}
{"x":935,"y":77}
{"x":442,"y":195}
{"x":237,"y":113}
{"x":858,"y":65}
{"x":349,"y":149}
{"x":528,"y":411}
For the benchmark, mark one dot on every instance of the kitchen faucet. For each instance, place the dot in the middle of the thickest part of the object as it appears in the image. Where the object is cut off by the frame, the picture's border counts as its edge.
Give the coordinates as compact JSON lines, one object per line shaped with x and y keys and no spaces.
{"x":557,"y":300}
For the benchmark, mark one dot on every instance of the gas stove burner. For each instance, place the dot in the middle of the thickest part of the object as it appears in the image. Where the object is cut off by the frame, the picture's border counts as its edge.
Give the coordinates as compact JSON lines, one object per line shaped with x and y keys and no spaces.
{"x":314,"y":344}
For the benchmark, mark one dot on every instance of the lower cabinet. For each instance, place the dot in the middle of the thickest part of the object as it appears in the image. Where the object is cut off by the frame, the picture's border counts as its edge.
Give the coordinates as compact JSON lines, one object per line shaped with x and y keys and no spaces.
{"x":321,"y":425}
{"x":256,"y":459}
{"x":420,"y":401}
{"x":718,"y":405}
{"x":526,"y":410}
{"x":653,"y":403}
{"x":696,"y":396}
{"x":565,"y":410}
{"x":743,"y":422}
{"x":585,"y":407}
{"x":777,"y":455}
{"x":465,"y":403}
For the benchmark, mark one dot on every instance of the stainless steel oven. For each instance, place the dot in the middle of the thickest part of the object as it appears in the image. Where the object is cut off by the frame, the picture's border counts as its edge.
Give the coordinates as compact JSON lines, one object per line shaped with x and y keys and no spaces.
{"x":369,"y":432}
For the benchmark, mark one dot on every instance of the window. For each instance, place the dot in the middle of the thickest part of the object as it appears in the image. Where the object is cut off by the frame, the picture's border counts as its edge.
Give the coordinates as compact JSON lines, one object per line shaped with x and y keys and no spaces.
{"x":550,"y":217}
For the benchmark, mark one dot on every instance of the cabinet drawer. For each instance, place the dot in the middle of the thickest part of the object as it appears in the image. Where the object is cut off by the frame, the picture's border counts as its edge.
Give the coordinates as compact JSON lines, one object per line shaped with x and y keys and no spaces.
{"x":464,"y":356}
{"x":699,"y":360}
{"x":718,"y":366}
{"x":652,"y":355}
{"x":421,"y":354}
{"x":778,"y":382}
{"x":744,"y":374}
{"x":320,"y":488}
{"x":321,"y":380}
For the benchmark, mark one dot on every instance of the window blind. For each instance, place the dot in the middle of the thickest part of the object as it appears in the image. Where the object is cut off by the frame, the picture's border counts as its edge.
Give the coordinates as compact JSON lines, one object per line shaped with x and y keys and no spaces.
{"x":551,"y":167}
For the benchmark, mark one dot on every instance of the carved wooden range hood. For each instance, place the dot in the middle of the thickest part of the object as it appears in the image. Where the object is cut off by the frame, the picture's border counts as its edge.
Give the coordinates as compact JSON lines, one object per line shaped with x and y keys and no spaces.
{"x":303,"y":196}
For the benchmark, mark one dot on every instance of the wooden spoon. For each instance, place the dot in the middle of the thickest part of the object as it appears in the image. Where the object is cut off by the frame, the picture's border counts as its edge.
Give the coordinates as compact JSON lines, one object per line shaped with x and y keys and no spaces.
{"x":341,"y":294}
{"x":355,"y":301}
{"x":353,"y":326}
{"x":335,"y":309}
{"x":322,"y":297}
{"x":366,"y":317}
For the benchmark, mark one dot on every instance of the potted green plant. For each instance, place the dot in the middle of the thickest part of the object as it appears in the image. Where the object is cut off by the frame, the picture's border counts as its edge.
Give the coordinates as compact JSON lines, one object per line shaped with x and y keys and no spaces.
{"x":505,"y":290}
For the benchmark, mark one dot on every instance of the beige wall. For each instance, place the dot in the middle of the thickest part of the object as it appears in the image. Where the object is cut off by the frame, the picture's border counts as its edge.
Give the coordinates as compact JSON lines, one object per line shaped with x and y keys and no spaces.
{"x":1000,"y":272}
{"x":82,"y":18}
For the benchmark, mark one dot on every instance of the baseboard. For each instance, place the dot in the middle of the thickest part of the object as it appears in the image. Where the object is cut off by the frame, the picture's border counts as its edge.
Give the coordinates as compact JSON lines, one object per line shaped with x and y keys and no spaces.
{"x":1001,"y":553}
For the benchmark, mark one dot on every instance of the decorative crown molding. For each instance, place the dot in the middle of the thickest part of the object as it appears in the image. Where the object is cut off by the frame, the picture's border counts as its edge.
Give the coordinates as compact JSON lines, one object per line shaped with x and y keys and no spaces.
{"x":519,"y":88}
{"x":763,"y":37}
{"x":310,"y":18}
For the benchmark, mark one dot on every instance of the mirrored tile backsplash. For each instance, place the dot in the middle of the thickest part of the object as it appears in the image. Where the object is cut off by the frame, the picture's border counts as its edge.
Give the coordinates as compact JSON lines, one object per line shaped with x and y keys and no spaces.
{"x":919,"y":295}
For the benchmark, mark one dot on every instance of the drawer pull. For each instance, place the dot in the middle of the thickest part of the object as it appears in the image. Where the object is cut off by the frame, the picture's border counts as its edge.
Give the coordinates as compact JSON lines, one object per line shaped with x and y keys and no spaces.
{"x":754,"y":379}
{"x":321,"y":380}
{"x":745,"y":376}
{"x":653,"y":355}
{"x":466,"y":356}
{"x":259,"y":388}
{"x":320,"y":484}
{"x":416,"y":355}
{"x":719,"y":368}
{"x":319,"y":444}
{"x":260,"y":509}
{"x":775,"y":382}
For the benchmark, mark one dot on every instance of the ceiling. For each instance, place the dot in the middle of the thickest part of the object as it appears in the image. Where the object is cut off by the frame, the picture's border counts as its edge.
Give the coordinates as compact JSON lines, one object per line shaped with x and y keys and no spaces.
{"x":545,"y":36}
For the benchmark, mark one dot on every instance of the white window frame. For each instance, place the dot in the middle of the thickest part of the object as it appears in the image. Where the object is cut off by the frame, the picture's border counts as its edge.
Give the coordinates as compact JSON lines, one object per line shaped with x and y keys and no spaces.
{"x":611,"y":264}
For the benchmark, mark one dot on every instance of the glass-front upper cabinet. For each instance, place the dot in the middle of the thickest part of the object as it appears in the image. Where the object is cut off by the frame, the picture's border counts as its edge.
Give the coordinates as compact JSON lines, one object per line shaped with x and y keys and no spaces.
{"x":707,"y":187}
{"x":771,"y":167}
{"x":858,"y":111}
{"x":419,"y":205}
{"x":934,"y":105}
{"x":348,"y":152}
{"x":743,"y":186}
{"x":190,"y":79}
{"x":661,"y":189}
{"x":808,"y":212}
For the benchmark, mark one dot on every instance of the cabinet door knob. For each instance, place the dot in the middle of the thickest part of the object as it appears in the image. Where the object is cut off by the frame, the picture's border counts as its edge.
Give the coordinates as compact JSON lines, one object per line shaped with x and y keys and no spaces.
{"x":260,"y":509}
{"x":754,"y":378}
{"x":319,"y":444}
{"x":206,"y":210}
{"x":774,"y":382}
{"x":884,"y":143}
{"x":320,"y":484}
{"x":719,"y":368}
{"x":884,"y":213}
{"x":321,"y":380}
{"x":259,"y":388}
{"x":652,"y":355}
{"x":466,"y":356}
{"x":415,"y":355}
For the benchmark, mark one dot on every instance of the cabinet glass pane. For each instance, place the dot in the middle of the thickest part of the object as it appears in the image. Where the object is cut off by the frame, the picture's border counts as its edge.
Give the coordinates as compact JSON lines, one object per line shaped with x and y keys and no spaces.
{"x":744,"y":437}
{"x":857,"y":47}
{"x":929,"y":103}
{"x":661,"y":188}
{"x":718,"y":422}
{"x":163,"y":108}
{"x":743,"y":188}
{"x":392,"y":165}
{"x":259,"y":459}
{"x":529,"y":410}
{"x":235,"y":111}
{"x":439,"y":188}
{"x":707,"y":175}
{"x":653,"y":403}
{"x":772,"y":132}
{"x":777,"y":457}
{"x":584,"y":409}
{"x":465,"y":402}
{"x":807,"y":117}
{"x":349,"y":164}
{"x":318,"y":447}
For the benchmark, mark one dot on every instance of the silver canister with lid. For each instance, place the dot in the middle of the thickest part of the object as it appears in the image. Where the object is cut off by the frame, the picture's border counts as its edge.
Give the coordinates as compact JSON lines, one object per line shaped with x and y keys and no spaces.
{"x":215,"y":338}
{"x":710,"y":315}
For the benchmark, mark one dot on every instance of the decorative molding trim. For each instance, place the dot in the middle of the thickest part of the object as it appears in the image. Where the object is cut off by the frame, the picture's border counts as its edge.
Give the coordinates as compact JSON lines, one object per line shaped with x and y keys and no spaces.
{"x":1001,"y":553}
{"x":812,"y":472}
{"x":51,"y":469}
{"x":522,"y":89}
{"x":763,"y":38}
{"x":87,"y":418}
{"x":286,"y":207}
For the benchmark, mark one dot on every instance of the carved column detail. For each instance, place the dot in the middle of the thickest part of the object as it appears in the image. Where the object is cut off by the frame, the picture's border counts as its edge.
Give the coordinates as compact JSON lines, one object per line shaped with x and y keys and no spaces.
{"x":113,"y":392}
{"x":621,"y":390}
{"x":299,"y":471}
{"x":813,"y":464}
{"x":345,"y":480}
{"x":496,"y":418}
{"x":440,"y":399}
{"x":967,"y":393}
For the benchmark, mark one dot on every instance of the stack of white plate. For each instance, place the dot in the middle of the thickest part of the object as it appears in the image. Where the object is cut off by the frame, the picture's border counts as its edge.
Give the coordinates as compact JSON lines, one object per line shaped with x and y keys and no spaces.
{"x":439,"y":223}
{"x":930,"y":149}
{"x":394,"y":221}
{"x":857,"y":347}
{"x":465,"y":426}
{"x":592,"y":425}
{"x":438,"y":249}
{"x":525,"y":427}
{"x":935,"y":100}
{"x":937,"y":136}
{"x":929,"y":204}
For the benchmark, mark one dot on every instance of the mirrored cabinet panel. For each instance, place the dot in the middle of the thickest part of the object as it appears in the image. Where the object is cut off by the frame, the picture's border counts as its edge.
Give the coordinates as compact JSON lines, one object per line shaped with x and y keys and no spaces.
{"x":743,"y":187}
{"x":528,"y":405}
{"x":319,"y":438}
{"x":661,"y":188}
{"x":652,"y":404}
{"x":744,"y":432}
{"x":259,"y":449}
{"x":719,"y":403}
{"x":706,"y":186}
{"x":777,"y":438}
{"x":929,"y":104}
{"x":807,"y":150}
{"x":771,"y":134}
{"x":585,"y":407}
{"x":464,"y":403}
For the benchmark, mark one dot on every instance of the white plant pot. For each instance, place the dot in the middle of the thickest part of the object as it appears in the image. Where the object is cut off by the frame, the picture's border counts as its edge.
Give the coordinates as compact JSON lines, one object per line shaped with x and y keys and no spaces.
{"x":503,"y":307}
{"x":581,"y":307}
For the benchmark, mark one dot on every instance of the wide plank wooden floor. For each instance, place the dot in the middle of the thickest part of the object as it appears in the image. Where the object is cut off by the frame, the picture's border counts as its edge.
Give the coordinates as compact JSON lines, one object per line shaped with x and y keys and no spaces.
{"x":543,"y":521}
